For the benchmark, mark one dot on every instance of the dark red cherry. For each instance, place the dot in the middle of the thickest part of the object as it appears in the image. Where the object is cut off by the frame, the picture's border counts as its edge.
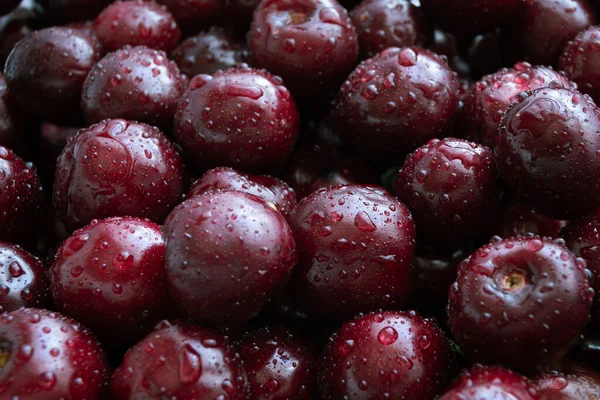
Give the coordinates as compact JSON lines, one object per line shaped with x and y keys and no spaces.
{"x":242,"y":118}
{"x":571,"y":381}
{"x":391,"y":355}
{"x":483,"y":382}
{"x":135,"y":83}
{"x":51,"y":63}
{"x":66,"y":11}
{"x":137,"y":23}
{"x":548,"y":148}
{"x":382,"y":23}
{"x":23,"y":280}
{"x":194,"y":16}
{"x":21,"y":196}
{"x":396,"y":101}
{"x":47,"y":356}
{"x":180,"y":361}
{"x":228,"y":254}
{"x":280,"y":366}
{"x":581,"y":59}
{"x":311,"y":44}
{"x":270,"y":189}
{"x":110,"y":276}
{"x":541,"y":28}
{"x":520,"y":220}
{"x":450,"y":187}
{"x":489,"y":98}
{"x":15,"y":26}
{"x":519,"y":302}
{"x":208,"y":52}
{"x":356,"y":246}
{"x":118,"y":168}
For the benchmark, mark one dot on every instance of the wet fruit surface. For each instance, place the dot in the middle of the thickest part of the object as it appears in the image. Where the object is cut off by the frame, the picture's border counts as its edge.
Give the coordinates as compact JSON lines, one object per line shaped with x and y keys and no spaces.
{"x":52,"y":63}
{"x":519,"y":302}
{"x":137,"y":23}
{"x":228,"y":253}
{"x":141,"y":174}
{"x":47,"y":356}
{"x":519,"y":220}
{"x":571,"y":381}
{"x":311,"y":44}
{"x":110,"y":275}
{"x":548,"y":147}
{"x":386,"y":355}
{"x":180,"y":361}
{"x":242,"y":118}
{"x":580,"y":60}
{"x":355,"y":245}
{"x":396,"y":101}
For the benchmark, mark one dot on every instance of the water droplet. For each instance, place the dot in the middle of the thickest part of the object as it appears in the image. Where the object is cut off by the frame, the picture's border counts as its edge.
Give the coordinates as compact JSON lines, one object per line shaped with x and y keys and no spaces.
{"x":273,"y":385}
{"x":199,"y":80}
{"x":387,"y":336}
{"x":47,"y":380}
{"x":240,"y":90}
{"x":76,"y":271}
{"x":407,"y":57}
{"x":190,"y":365}
{"x":363,"y":222}
{"x":535,"y":245}
{"x":15,"y":269}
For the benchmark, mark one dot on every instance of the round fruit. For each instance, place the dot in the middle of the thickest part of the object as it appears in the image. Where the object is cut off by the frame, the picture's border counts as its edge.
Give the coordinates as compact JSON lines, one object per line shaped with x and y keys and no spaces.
{"x":519,"y":220}
{"x":571,"y":382}
{"x":581,"y":59}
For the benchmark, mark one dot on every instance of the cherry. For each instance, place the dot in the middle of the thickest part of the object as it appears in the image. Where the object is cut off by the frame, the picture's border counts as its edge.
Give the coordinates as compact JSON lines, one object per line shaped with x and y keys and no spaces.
{"x":355,"y":244}
{"x":195,"y":15}
{"x":583,"y":238}
{"x":21,"y":196}
{"x":228,"y":254}
{"x":483,"y":382}
{"x":208,"y":52}
{"x":180,"y":361}
{"x":489,"y":98}
{"x":15,"y":26}
{"x":311,"y":44}
{"x":520,"y":220}
{"x":541,"y":28}
{"x":118,"y":168}
{"x":46,"y":356}
{"x":280,"y":366}
{"x":392,"y":354}
{"x":110,"y":275}
{"x":243,"y":118}
{"x":396,"y":101}
{"x":135,"y":83}
{"x":270,"y":189}
{"x":66,"y":11}
{"x":22,"y":279}
{"x":580,"y":60}
{"x":137,"y":23}
{"x":548,"y":146}
{"x":13,"y":124}
{"x":519,"y":302}
{"x":450,"y":187}
{"x":571,"y":382}
{"x":381,"y":24}
{"x":52,"y":63}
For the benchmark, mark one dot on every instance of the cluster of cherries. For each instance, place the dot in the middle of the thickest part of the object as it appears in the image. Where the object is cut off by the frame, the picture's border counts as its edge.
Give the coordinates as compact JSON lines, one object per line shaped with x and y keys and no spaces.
{"x":287,"y":200}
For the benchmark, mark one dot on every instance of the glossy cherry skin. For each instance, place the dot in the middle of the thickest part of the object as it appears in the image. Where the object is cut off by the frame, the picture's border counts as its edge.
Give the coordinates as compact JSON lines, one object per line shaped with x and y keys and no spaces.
{"x":570,"y":382}
{"x":583,"y":238}
{"x":548,"y":146}
{"x":541,"y":28}
{"x":21,"y":196}
{"x":137,"y":23}
{"x":13,"y":125}
{"x":450,"y":187}
{"x":180,"y":361}
{"x":519,"y":302}
{"x":23,"y":280}
{"x":356,"y":247}
{"x":47,"y":356}
{"x":208,"y":52}
{"x":242,"y":118}
{"x":52,"y":63}
{"x":381,"y":24}
{"x":195,"y":15}
{"x":520,"y":220}
{"x":135,"y":83}
{"x":311,"y":44}
{"x":228,"y":253}
{"x":279,"y":365}
{"x":110,"y":276}
{"x":580,"y":61}
{"x":489,"y":98}
{"x":270,"y":189}
{"x":66,"y":11}
{"x":118,"y":168}
{"x":393,"y":354}
{"x":483,"y":382}
{"x":396,"y":101}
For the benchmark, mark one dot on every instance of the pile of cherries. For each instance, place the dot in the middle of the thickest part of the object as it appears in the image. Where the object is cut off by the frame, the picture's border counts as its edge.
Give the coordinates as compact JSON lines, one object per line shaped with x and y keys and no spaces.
{"x":300,"y":200}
